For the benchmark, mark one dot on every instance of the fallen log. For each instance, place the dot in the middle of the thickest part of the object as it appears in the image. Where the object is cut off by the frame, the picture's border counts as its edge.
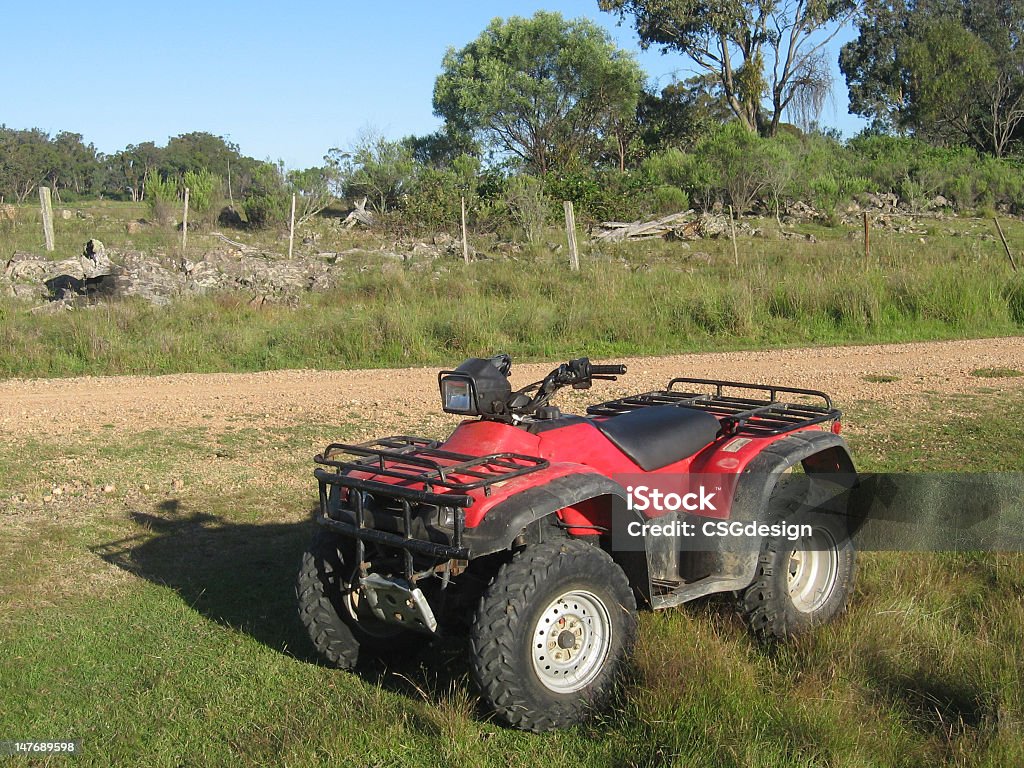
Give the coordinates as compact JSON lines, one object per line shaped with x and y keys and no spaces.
{"x":676,"y":226}
{"x":234,"y":243}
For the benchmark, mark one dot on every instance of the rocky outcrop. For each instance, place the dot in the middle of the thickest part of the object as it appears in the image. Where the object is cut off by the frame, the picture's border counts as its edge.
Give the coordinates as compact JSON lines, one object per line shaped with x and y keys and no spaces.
{"x":162,"y":278}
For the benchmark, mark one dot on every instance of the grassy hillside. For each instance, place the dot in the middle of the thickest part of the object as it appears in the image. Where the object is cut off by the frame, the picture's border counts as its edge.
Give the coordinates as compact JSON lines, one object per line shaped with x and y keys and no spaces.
{"x":935,"y":279}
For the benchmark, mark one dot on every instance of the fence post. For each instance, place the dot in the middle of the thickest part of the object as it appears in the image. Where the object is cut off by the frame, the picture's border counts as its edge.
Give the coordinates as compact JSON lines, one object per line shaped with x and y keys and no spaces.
{"x":47,"y":208}
{"x":570,"y":233}
{"x":735,"y":248}
{"x":867,"y":237}
{"x":291,"y":229}
{"x":465,"y":237}
{"x":184,"y":225}
{"x":1006,"y":245}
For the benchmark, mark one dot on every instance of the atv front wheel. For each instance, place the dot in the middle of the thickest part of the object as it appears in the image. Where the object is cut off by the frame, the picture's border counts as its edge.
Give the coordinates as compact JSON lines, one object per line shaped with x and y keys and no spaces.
{"x":551,"y":633}
{"x":339,"y":623}
{"x":801,"y":584}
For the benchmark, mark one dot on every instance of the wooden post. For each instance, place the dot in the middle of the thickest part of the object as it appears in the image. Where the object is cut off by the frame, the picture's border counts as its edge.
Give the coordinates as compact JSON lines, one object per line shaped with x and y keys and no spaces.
{"x":735,"y":250}
{"x":570,"y":234}
{"x":867,"y":237}
{"x":47,"y":208}
{"x":291,"y":228}
{"x":1006,"y":246}
{"x":184,"y":225}
{"x":465,"y":238}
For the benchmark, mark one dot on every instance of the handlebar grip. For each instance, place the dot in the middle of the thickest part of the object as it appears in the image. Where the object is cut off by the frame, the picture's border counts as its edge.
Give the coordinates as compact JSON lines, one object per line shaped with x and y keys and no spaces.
{"x":607,"y":370}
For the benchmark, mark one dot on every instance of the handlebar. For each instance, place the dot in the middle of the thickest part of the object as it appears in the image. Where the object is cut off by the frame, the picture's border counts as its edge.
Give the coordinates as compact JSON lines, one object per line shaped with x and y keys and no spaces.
{"x":577,"y":373}
{"x":607,"y":370}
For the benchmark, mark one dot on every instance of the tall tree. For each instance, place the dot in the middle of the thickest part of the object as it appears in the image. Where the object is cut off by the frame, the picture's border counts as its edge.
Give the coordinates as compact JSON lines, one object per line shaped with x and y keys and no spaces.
{"x":544,"y":90}
{"x":27,"y":158}
{"x":949,"y":71}
{"x":129,"y":168}
{"x":681,"y":113}
{"x":767,"y":55}
{"x":76,"y":166}
{"x":200,"y":151}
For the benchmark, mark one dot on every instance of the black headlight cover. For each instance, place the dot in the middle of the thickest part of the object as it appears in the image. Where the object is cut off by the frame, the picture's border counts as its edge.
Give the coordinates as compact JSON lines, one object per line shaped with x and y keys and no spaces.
{"x":484,"y":386}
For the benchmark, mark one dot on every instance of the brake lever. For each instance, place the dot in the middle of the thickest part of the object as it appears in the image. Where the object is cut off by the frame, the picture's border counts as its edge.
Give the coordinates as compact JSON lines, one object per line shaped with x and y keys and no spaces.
{"x":604,"y":377}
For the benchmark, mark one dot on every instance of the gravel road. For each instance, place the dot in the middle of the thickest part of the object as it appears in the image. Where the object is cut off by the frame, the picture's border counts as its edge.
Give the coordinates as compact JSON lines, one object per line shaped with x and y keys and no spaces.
{"x":387,"y":397}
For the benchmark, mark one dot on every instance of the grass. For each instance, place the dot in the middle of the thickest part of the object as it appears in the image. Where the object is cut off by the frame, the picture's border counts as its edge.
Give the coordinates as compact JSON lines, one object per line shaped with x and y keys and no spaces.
{"x":997,"y":373}
{"x":633,"y":298}
{"x":157,"y":625}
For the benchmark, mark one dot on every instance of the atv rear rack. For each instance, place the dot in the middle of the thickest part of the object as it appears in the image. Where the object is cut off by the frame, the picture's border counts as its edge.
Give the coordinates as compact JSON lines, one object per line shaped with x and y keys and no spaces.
{"x":754,"y":416}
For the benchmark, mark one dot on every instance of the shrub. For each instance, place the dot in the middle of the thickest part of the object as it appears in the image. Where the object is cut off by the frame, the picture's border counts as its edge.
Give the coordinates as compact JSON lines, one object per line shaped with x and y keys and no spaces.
{"x":528,"y":205}
{"x":670,"y":166}
{"x":740,"y":162}
{"x":382,"y":171}
{"x":668,"y":199}
{"x":267,"y":202}
{"x":161,"y":197}
{"x":436,"y":195}
{"x":602,"y":195}
{"x":204,"y":194}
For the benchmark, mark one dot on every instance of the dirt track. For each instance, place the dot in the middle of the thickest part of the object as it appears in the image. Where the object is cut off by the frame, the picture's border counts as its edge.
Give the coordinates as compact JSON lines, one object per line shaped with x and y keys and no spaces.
{"x":62,"y":407}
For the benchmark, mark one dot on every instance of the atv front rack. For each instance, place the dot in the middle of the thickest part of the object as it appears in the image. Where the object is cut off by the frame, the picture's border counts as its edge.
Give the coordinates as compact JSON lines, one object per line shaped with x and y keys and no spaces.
{"x":759,"y":416}
{"x":410,"y":472}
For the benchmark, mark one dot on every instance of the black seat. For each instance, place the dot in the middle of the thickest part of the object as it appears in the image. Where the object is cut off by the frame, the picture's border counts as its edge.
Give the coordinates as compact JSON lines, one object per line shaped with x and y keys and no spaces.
{"x":657,"y":436}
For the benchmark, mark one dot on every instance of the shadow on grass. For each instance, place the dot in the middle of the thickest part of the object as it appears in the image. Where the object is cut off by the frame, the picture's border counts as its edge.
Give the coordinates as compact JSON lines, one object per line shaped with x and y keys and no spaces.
{"x":242,"y":576}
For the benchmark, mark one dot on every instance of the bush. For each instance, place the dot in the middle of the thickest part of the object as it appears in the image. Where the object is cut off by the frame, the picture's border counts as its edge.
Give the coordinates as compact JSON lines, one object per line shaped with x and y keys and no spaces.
{"x":204,"y":194}
{"x":602,"y":195}
{"x":831,"y":191}
{"x":267,"y":202}
{"x":740,"y":163}
{"x":670,"y":166}
{"x":161,"y":197}
{"x":436,"y":195}
{"x":668,"y":199}
{"x":382,"y":171}
{"x":528,"y":205}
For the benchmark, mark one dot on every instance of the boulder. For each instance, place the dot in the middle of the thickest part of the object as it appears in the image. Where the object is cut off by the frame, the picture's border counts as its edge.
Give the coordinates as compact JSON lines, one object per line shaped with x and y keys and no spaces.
{"x":94,"y":260}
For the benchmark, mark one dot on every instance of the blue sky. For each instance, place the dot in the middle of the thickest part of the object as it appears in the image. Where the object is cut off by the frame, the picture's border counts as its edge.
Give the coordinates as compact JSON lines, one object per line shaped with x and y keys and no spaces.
{"x":282,"y":80}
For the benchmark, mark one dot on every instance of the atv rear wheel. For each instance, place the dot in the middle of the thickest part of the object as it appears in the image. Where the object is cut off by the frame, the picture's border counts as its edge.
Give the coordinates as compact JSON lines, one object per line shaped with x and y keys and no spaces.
{"x":340,"y":625}
{"x":551,"y":633}
{"x":801,"y":584}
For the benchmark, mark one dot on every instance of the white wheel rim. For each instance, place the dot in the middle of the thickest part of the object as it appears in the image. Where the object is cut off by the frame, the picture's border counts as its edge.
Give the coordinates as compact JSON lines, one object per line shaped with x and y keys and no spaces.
{"x":571,"y":641}
{"x":812,"y":570}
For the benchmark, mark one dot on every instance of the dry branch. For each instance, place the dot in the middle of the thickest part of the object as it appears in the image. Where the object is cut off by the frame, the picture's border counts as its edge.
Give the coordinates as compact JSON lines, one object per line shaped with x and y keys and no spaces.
{"x":359,"y":216}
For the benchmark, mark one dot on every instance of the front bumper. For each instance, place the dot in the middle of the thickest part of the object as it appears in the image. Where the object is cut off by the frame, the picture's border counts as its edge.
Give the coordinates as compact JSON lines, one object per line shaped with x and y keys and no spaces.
{"x":410,"y":507}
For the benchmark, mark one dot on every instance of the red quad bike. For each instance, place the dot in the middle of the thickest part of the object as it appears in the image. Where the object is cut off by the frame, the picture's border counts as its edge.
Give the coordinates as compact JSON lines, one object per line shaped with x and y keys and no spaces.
{"x":523,"y":529}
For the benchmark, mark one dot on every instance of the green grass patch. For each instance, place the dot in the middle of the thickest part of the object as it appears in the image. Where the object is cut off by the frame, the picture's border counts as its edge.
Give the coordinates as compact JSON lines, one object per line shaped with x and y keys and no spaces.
{"x":997,"y":373}
{"x":158,"y":627}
